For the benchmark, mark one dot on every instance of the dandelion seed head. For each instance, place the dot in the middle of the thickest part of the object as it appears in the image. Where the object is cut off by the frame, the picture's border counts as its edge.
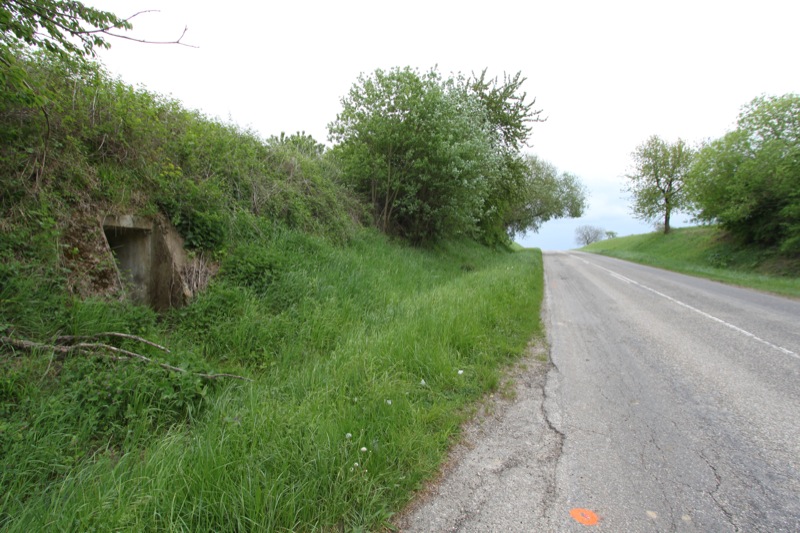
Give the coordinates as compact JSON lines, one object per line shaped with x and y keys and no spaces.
{"x":348,"y":436}
{"x":363,"y":448}
{"x":388,"y":402}
{"x":460,"y":372}
{"x":422,"y":382}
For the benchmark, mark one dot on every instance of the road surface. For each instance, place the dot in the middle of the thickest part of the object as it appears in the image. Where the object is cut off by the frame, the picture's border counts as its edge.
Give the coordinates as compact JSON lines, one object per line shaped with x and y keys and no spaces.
{"x":678,"y":399}
{"x":671,"y":404}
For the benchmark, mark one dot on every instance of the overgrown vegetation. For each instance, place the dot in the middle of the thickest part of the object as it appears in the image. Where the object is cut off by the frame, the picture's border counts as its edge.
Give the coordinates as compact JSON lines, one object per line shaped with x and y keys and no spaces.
{"x":709,"y":252}
{"x":364,"y":354}
{"x":69,"y":30}
{"x":435,"y":158}
{"x":747,"y":182}
{"x":373,"y":340}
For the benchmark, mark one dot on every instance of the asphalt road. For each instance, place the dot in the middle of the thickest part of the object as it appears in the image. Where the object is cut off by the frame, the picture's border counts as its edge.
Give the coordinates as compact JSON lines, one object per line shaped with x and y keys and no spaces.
{"x":678,"y":400}
{"x":670,"y":403}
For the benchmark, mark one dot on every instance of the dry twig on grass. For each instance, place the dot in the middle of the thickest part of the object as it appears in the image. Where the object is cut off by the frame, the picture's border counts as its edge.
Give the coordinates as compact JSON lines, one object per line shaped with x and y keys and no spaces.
{"x":63,"y":346}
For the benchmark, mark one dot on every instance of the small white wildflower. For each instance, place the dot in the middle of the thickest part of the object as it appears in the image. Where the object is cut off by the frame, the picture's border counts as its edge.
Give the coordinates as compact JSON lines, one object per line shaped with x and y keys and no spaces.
{"x":355,"y":465}
{"x":388,"y":402}
{"x":422,"y":382}
{"x":363,"y":448}
{"x":460,"y":372}
{"x":348,"y":436}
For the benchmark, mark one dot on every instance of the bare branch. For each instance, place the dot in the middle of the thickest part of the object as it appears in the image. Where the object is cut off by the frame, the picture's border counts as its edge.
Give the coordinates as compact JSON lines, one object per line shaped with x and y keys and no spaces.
{"x":112,"y":352}
{"x":145,"y":41}
{"x":70,"y":338}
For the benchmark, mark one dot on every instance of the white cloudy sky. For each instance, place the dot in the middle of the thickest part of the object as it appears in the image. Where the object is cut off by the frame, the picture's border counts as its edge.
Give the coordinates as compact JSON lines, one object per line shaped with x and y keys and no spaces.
{"x":606,"y":74}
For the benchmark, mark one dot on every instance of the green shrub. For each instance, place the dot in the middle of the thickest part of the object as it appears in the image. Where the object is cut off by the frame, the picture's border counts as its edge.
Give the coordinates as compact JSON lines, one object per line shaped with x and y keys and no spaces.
{"x":196,"y":209}
{"x":748,"y":181}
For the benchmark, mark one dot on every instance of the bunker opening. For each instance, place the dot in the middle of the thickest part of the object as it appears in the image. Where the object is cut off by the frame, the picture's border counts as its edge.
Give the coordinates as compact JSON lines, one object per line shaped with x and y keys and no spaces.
{"x":130,"y":242}
{"x":152,"y":263}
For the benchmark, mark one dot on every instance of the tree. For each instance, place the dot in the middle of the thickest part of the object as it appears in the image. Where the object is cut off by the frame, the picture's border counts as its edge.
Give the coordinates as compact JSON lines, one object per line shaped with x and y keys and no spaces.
{"x":545,"y":194}
{"x":508,"y":114}
{"x":415,"y":148}
{"x":748,"y":181}
{"x":509,"y":117}
{"x":437,"y":157}
{"x":586,"y":235}
{"x":657,"y":182}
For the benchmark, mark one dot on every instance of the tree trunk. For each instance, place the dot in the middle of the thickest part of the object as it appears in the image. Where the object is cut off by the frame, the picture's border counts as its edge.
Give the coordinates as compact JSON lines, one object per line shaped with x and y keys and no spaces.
{"x":666,"y":221}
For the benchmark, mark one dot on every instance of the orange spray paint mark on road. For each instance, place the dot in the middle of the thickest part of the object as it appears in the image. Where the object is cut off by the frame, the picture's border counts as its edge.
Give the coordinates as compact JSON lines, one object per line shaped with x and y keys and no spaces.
{"x":584,"y":516}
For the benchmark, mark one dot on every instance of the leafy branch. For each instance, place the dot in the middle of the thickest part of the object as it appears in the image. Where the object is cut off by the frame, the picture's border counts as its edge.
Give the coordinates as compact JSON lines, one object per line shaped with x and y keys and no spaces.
{"x":66,"y":28}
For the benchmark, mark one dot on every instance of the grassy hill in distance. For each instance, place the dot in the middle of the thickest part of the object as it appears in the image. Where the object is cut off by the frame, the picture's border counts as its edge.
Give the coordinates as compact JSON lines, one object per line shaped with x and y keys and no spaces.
{"x":707,"y":251}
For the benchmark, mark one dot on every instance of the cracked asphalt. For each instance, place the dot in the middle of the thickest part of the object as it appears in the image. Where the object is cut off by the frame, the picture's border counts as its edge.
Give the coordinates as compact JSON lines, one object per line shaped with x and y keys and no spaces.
{"x":669,"y":403}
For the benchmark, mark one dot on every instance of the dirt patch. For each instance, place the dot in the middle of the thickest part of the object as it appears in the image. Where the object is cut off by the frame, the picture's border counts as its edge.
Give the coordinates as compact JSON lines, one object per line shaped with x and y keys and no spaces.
{"x":90,"y":267}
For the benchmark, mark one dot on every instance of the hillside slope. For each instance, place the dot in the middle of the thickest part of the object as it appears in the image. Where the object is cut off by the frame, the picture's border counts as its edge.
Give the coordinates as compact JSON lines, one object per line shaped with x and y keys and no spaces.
{"x":708,"y":252}
{"x":315,"y":378}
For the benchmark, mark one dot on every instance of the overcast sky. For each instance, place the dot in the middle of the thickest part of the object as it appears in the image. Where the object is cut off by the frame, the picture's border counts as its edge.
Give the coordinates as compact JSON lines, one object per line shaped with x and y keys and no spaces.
{"x":607,"y":75}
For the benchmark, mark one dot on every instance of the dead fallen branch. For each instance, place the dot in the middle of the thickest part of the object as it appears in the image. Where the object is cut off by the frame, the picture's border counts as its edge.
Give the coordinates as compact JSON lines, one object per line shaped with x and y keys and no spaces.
{"x":66,"y":339}
{"x":98,"y":348}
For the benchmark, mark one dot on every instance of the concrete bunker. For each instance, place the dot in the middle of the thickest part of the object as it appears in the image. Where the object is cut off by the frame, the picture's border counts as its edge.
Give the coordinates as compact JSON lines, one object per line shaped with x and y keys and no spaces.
{"x":151,"y":261}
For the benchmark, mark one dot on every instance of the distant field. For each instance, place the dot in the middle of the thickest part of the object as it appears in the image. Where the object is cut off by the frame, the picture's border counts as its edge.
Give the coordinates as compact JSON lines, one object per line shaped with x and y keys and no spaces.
{"x":707,"y":252}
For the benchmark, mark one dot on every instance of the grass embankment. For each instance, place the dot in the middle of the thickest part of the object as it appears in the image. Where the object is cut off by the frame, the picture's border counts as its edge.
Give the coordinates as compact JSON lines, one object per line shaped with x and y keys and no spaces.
{"x":708,"y":252}
{"x":364,"y":355}
{"x":365,"y":358}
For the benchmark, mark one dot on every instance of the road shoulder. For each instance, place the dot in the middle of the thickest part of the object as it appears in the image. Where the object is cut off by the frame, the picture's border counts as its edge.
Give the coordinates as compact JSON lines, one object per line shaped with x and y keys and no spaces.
{"x":500,"y":475}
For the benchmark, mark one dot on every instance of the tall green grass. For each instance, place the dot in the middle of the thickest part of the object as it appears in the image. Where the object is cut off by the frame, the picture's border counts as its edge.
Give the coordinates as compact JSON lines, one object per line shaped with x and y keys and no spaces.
{"x":341,"y":331}
{"x":365,"y":359}
{"x":708,"y":252}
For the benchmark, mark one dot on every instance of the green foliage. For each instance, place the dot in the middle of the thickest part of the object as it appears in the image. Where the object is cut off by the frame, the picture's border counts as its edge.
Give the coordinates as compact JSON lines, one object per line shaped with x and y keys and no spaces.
{"x":411,"y":154}
{"x":32,"y":294}
{"x":522,"y":192}
{"x":196,"y":209}
{"x":508,"y":114}
{"x":436,"y":158}
{"x":749,"y":180}
{"x":304,"y":190}
{"x":268,"y":267}
{"x":107,"y":144}
{"x":57,"y":414}
{"x":547,"y":194}
{"x":657,"y":183}
{"x":68,"y":29}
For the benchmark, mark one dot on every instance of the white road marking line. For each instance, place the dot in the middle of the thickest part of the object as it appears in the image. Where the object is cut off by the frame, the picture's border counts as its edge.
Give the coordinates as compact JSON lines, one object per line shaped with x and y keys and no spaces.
{"x":696,"y":310}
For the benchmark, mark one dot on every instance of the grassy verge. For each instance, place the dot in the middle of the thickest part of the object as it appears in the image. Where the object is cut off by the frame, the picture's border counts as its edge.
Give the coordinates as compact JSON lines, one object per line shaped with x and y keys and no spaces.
{"x":707,"y":252}
{"x":365,"y":359}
